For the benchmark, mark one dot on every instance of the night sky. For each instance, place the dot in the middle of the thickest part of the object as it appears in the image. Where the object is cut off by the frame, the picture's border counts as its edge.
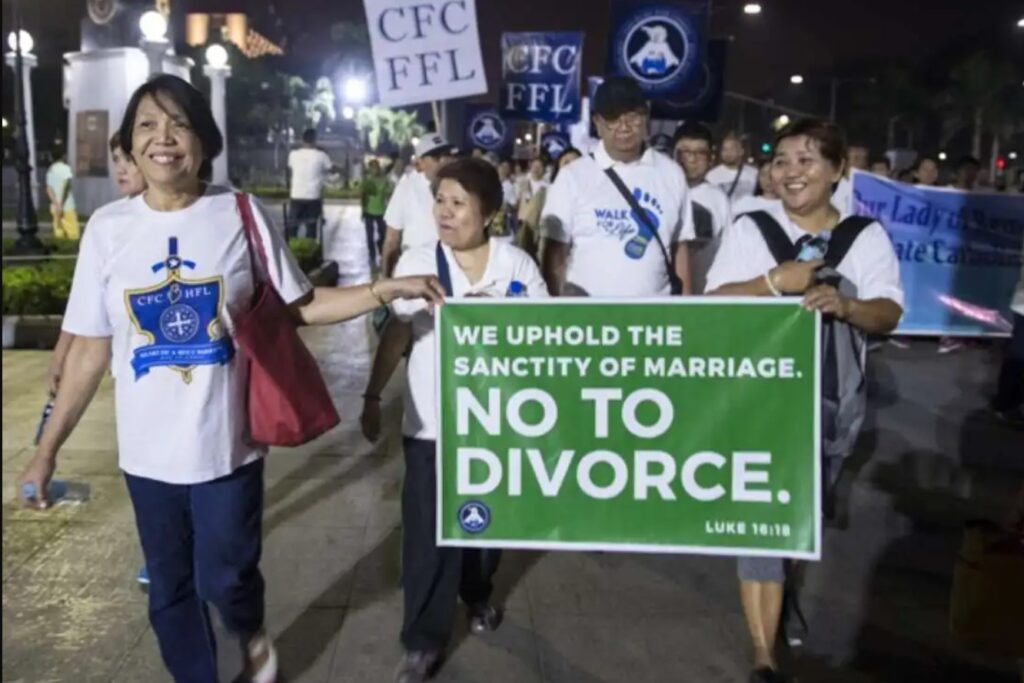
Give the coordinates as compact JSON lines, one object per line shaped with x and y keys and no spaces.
{"x":817,"y":38}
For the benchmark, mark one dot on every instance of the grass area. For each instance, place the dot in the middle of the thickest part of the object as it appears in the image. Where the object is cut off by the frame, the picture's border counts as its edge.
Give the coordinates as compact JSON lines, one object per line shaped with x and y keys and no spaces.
{"x":42,"y":214}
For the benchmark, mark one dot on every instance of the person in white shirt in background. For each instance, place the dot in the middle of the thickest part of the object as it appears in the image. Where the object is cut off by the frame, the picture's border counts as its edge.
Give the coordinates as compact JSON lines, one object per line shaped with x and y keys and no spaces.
{"x":692,"y":143}
{"x":410,"y":216}
{"x":857,"y":157}
{"x":531,"y":201}
{"x":468,"y":196}
{"x":161,"y":282}
{"x":595,"y":245}
{"x":510,"y":199}
{"x":733,"y":176}
{"x":308,"y":167}
{"x":764,"y":196}
{"x":564,"y":159}
{"x":807,"y":161}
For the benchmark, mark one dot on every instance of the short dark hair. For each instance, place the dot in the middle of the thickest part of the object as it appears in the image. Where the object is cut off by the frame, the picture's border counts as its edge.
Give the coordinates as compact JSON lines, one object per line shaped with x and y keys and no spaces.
{"x":115,"y":141}
{"x":882,"y":160}
{"x":58,"y":151}
{"x":692,"y":130}
{"x":477,"y":177}
{"x":967,"y":160}
{"x":196,"y":108}
{"x":618,"y":95}
{"x":309,"y":136}
{"x":829,"y":137}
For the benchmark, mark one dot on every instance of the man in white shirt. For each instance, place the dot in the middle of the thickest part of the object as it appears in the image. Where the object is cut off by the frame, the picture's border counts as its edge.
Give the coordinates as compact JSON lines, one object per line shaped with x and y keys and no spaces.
{"x":410,"y":213}
{"x":857,"y":157}
{"x":711,"y":210}
{"x":596,"y":244}
{"x":734,"y":176}
{"x":308,"y":167}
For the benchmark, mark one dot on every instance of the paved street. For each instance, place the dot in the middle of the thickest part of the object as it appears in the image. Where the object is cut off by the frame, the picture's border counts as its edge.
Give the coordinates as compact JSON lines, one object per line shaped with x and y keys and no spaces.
{"x":877,"y":604}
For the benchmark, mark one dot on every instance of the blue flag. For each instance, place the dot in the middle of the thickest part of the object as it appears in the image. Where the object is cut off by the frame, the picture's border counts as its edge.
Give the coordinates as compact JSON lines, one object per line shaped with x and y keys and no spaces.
{"x":959,"y":253}
{"x":485,"y":128}
{"x":541,"y":76}
{"x":660,"y":45}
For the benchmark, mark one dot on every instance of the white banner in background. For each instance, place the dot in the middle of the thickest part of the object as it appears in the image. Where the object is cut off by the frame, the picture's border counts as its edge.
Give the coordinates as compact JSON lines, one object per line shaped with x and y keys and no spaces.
{"x":425,"y":50}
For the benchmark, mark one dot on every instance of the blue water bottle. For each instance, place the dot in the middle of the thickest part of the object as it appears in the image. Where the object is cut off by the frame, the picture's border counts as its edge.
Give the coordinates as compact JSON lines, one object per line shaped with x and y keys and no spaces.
{"x":515,"y":289}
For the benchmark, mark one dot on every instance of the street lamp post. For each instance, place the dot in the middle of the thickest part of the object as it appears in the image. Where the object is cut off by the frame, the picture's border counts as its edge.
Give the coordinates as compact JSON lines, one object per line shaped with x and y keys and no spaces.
{"x":22,"y":61}
{"x":154,"y":40}
{"x":218,"y":71}
{"x":28,"y":229}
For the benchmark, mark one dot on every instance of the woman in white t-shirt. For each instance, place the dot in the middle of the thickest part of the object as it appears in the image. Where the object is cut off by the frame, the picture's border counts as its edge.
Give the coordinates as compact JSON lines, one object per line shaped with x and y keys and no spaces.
{"x":807,"y":162}
{"x":160,"y":281}
{"x":467,"y":195}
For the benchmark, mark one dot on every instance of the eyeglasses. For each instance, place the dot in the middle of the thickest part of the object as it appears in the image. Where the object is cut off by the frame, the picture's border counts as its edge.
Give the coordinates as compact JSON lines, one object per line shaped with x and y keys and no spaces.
{"x":631,"y":120}
{"x":692,"y":153}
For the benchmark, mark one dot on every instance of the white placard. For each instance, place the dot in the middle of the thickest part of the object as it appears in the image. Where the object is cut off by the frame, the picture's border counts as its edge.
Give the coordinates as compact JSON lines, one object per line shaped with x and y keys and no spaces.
{"x":425,"y":50}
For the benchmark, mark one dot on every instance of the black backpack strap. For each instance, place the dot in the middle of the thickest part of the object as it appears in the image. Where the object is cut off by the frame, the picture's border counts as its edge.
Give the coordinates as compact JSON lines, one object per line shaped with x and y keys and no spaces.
{"x":779,"y":244}
{"x":735,"y":181}
{"x":703,"y":221}
{"x":443,"y":274}
{"x":843,"y":237}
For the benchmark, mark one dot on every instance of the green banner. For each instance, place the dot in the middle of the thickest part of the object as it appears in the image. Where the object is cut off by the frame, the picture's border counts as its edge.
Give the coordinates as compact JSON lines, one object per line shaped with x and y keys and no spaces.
{"x":684,"y":425}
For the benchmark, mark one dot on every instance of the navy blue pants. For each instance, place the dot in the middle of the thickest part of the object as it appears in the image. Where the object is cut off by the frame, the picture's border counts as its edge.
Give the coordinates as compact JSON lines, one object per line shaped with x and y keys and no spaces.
{"x":434,"y":578}
{"x":202,"y":544}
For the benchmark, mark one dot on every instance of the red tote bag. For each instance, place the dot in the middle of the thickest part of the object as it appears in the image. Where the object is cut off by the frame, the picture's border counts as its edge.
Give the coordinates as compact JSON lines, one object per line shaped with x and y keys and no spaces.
{"x":289,"y":404}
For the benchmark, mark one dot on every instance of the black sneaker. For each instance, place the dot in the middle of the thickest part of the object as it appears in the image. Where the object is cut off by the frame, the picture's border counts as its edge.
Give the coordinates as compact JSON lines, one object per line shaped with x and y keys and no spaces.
{"x":794,"y":624}
{"x":416,"y":667}
{"x":766,"y":675}
{"x":484,"y":619}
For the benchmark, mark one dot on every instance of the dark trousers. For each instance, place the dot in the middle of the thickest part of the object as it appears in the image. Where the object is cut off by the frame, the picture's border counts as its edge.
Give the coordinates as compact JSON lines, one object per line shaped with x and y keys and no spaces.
{"x":374,"y":236}
{"x":1010,"y":391}
{"x":434,"y":578}
{"x":305,"y":214}
{"x":202,"y":544}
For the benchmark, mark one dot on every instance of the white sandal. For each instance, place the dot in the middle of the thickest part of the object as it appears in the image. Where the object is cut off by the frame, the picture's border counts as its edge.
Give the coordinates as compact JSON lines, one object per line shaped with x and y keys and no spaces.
{"x":257,"y":647}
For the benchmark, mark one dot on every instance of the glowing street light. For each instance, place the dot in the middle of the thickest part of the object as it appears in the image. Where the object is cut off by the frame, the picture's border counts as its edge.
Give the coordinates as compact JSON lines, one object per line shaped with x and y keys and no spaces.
{"x":1020,"y":23}
{"x":752,"y":8}
{"x":519,"y":141}
{"x":348,"y":113}
{"x":942,"y":156}
{"x":217,"y":56}
{"x":796,"y":79}
{"x":355,"y":90}
{"x":1012,"y":156}
{"x":781,"y":122}
{"x":529,"y":137}
{"x":26,"y":42}
{"x":153,"y":25}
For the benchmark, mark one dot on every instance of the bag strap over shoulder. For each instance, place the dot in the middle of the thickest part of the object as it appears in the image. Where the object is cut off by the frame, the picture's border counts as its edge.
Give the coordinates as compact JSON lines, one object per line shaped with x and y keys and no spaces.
{"x":735,"y":181}
{"x":443,"y":273}
{"x":639,"y":212}
{"x":779,"y":244}
{"x":253,"y":239}
{"x":843,"y":237}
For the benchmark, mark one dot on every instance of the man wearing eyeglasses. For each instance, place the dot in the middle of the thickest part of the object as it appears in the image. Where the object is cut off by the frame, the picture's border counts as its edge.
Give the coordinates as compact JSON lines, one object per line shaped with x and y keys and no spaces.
{"x":711,"y":210}
{"x":616,"y":223}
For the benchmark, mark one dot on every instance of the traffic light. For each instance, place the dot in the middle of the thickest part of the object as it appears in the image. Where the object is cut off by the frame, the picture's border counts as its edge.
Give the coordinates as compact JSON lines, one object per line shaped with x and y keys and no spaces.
{"x":1001,"y":163}
{"x":766,"y":148}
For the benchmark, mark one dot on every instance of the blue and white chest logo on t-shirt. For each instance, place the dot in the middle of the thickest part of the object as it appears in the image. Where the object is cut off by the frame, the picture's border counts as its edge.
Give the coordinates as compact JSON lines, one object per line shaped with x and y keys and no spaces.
{"x":627,"y":226}
{"x":181,"y":319}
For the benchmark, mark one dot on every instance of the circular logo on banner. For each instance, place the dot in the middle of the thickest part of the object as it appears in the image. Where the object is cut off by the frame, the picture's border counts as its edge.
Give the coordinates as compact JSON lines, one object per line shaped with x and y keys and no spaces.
{"x":554,"y":143}
{"x":474,"y":517}
{"x":179,"y":323}
{"x":659,"y":50}
{"x":487,"y":130}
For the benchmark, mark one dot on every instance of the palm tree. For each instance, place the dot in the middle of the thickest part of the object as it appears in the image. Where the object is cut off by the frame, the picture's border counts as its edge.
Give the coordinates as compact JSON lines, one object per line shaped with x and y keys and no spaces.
{"x":379,"y":123}
{"x":978,"y":97}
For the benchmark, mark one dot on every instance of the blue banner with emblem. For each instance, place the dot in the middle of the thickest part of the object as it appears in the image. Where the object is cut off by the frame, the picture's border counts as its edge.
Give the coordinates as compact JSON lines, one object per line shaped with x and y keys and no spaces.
{"x":541,"y":76}
{"x":959,"y":252}
{"x":703,"y":100}
{"x":659,"y":44}
{"x":554,"y":143}
{"x":486,"y":129}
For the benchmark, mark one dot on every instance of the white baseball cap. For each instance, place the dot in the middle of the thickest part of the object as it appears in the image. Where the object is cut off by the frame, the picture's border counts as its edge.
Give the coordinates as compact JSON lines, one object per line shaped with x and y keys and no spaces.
{"x":434,"y":143}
